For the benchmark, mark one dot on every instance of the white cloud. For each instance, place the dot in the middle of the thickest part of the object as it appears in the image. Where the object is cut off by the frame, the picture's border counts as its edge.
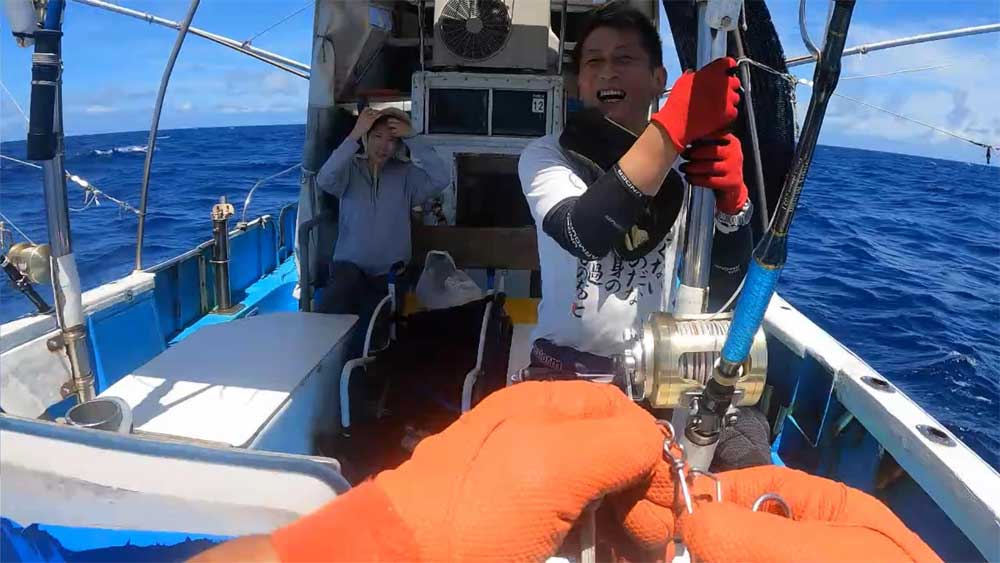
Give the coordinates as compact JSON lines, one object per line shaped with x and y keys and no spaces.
{"x":185,"y":106}
{"x":98,"y":109}
{"x":956,"y":98}
{"x":283,"y":83}
{"x":260,"y":106}
{"x":232,"y":108}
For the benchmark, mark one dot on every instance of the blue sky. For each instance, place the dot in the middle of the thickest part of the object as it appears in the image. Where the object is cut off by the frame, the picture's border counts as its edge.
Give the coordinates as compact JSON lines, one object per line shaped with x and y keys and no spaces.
{"x":113,"y":66}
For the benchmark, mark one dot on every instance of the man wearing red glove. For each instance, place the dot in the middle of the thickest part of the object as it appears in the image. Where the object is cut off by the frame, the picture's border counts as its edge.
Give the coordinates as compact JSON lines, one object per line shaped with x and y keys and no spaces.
{"x":606,"y":200}
{"x":508,"y":480}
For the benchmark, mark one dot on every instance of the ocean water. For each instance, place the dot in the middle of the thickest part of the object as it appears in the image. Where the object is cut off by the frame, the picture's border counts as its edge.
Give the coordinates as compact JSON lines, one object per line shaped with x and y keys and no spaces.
{"x":896,"y":256}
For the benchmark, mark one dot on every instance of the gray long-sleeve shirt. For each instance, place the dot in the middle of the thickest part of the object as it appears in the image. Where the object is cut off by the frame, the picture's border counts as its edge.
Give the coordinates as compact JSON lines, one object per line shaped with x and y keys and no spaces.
{"x":374,"y":224}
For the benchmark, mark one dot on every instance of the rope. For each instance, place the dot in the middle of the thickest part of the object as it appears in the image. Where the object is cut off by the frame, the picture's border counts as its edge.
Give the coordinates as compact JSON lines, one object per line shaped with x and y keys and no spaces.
{"x":795,"y":80}
{"x":91,"y":194}
{"x":16,"y":228}
{"x":246,"y":43}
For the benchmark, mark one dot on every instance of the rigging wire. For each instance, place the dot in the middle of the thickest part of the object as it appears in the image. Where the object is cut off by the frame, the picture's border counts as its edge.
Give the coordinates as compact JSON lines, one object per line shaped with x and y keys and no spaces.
{"x":16,"y":228}
{"x":908,"y":70}
{"x":13,"y":100}
{"x":792,"y":79}
{"x":12,"y":159}
{"x":92,"y":195}
{"x":277,"y":23}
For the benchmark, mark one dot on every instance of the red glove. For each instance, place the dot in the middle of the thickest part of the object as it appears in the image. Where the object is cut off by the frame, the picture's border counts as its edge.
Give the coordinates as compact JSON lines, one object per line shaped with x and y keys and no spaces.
{"x":700,"y":103}
{"x":717,"y":163}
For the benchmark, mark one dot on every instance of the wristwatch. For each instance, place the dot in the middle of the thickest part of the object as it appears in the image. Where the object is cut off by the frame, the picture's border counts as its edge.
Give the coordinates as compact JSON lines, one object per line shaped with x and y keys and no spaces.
{"x":731,"y":223}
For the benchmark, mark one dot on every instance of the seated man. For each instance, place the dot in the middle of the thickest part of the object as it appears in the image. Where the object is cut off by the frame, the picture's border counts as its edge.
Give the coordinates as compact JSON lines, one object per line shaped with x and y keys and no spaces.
{"x":377,"y":187}
{"x":606,"y":201}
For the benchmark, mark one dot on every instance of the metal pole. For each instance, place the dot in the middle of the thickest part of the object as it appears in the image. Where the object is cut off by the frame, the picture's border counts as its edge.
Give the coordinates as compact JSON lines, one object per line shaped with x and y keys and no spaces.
{"x":562,"y":37}
{"x":420,"y":30}
{"x":151,"y":143}
{"x":692,"y":295}
{"x":284,"y":63}
{"x":221,"y":212}
{"x":912,"y":40}
{"x":45,"y":142}
{"x":321,"y":124}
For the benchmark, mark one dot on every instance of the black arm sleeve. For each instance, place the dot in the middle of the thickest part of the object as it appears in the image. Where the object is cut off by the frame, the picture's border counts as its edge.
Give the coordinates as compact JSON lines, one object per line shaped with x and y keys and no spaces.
{"x":588,"y":226}
{"x":730,"y":260}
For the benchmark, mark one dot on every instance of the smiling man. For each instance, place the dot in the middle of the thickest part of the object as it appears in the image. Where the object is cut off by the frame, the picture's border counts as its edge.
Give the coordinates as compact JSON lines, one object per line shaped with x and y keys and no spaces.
{"x":606,"y":201}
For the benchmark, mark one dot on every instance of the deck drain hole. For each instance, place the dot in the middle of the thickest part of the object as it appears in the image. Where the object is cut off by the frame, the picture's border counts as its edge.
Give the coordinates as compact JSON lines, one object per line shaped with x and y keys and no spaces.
{"x":878,"y":383}
{"x":935,"y":435}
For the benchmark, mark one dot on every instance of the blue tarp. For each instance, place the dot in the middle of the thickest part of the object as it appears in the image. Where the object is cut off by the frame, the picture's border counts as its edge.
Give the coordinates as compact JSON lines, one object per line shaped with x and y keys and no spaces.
{"x":40,"y":543}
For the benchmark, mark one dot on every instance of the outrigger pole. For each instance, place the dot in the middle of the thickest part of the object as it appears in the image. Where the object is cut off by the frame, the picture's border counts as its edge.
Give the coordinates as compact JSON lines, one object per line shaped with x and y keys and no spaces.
{"x":770,"y":254}
{"x":302,"y":70}
{"x":901,"y":42}
{"x":288,"y":65}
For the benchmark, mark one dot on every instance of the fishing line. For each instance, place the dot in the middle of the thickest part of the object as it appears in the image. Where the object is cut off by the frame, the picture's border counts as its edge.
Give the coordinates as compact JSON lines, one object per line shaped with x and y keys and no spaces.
{"x":16,"y":228}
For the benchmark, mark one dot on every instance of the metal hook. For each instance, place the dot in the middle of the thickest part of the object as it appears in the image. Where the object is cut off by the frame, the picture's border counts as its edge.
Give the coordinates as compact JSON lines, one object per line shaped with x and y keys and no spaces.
{"x":713,"y":477}
{"x":671,"y":434}
{"x":678,"y":467}
{"x":677,"y":464}
{"x":773,"y":497}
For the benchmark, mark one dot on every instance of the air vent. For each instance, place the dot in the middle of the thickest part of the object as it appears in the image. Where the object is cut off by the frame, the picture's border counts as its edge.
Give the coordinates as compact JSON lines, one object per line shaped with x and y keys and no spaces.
{"x":475,"y":29}
{"x":507,"y":34}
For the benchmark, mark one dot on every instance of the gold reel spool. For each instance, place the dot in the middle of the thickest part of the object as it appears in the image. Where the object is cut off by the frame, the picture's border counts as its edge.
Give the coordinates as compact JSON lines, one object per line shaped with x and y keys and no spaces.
{"x":673,"y":357}
{"x":33,"y":260}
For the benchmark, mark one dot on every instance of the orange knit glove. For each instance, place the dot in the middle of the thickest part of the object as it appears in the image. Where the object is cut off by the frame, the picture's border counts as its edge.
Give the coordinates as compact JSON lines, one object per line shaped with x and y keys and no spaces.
{"x":830,"y":522}
{"x":506,"y":482}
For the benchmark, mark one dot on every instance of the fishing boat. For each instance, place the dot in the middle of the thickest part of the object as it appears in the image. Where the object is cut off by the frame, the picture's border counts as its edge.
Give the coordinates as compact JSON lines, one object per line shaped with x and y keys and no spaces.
{"x":202,"y":398}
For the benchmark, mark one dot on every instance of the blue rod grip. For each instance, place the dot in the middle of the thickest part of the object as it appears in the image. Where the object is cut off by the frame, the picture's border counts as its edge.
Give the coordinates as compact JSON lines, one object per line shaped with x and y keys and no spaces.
{"x":750,"y":308}
{"x":53,"y":14}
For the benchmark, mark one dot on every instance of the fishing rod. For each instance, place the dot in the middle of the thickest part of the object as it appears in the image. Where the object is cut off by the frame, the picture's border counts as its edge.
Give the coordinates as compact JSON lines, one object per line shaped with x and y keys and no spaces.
{"x":22,"y":281}
{"x":769,"y":256}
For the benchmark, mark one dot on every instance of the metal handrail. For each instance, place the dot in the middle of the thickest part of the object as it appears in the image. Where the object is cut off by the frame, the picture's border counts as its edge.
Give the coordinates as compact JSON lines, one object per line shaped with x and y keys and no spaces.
{"x":259,"y":183}
{"x":305,"y":262}
{"x":285,"y":209}
{"x":151,"y":144}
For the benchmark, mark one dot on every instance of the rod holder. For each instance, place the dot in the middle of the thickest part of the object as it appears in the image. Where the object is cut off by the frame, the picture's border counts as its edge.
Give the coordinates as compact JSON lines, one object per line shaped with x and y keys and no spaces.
{"x":221,"y":212}
{"x":46,"y":66}
{"x":103,"y":413}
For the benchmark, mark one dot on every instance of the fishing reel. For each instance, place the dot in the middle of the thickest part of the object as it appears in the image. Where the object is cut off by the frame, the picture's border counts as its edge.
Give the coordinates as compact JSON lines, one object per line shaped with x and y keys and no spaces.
{"x":671,"y":358}
{"x":32,"y":261}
